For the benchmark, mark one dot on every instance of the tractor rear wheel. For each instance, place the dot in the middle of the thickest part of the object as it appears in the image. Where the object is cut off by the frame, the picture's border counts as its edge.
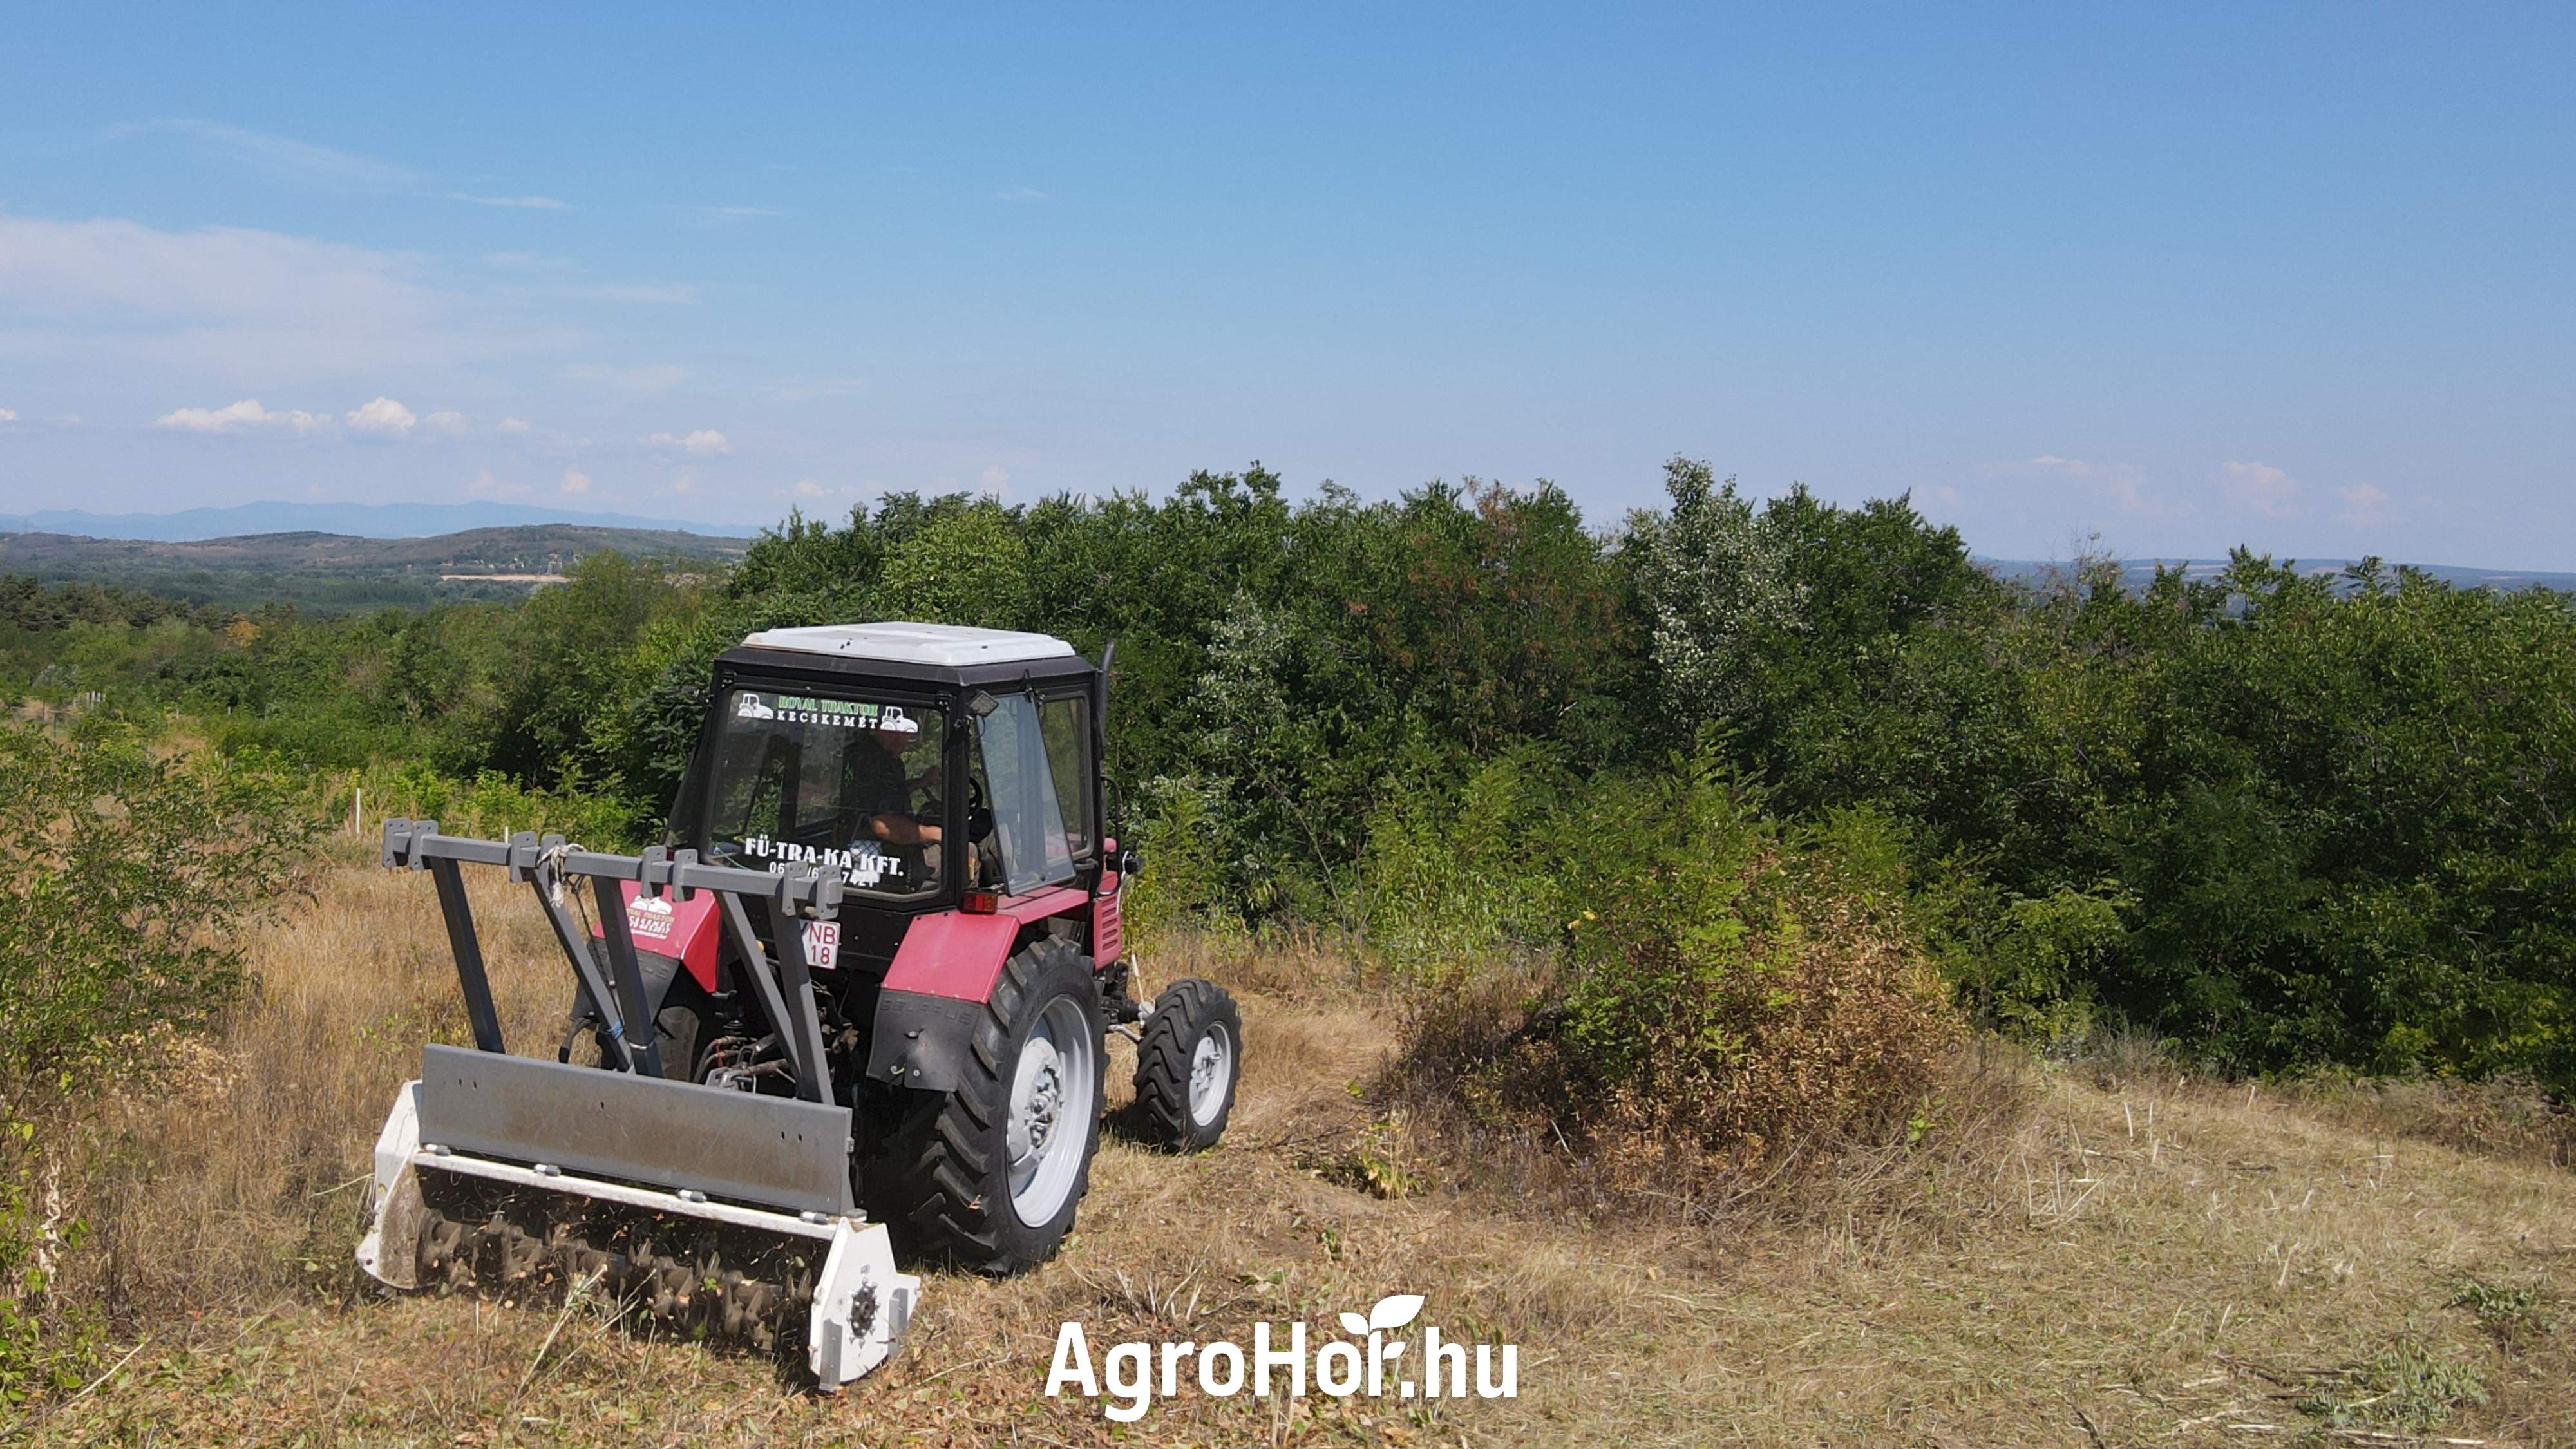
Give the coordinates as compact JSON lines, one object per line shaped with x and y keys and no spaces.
{"x":988,"y":1176}
{"x":1187,"y":1061}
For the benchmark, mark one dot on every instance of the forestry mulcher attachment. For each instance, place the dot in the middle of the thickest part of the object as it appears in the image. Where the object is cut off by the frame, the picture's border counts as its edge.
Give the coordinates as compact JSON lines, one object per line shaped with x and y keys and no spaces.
{"x":854,"y":1005}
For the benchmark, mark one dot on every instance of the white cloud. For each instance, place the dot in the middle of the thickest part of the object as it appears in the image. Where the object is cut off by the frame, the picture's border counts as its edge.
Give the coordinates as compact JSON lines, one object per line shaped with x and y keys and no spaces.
{"x":523,"y":203}
{"x":650,"y":379}
{"x":2364,"y":504}
{"x":514,"y":426}
{"x":446,"y":422}
{"x":487,"y":486}
{"x":704,"y":443}
{"x":239,"y":417}
{"x":575,"y":483}
{"x":383,"y":418}
{"x":680,"y":483}
{"x":728,"y":215}
{"x":994,"y":477}
{"x":8,"y":416}
{"x":1020,"y":193}
{"x":1945,"y":494}
{"x":2258,"y":488}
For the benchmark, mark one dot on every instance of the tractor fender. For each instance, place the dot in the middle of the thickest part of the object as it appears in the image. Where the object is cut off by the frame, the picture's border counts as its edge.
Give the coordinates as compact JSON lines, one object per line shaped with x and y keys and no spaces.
{"x":942,"y":975}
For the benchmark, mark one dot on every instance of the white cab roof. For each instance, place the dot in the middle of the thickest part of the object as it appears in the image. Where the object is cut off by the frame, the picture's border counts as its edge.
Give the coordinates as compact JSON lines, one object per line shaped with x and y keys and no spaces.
{"x":945,"y":644}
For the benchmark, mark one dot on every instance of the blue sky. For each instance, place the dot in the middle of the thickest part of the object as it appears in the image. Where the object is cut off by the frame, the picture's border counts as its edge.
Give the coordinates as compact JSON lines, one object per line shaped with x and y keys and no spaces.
{"x":2297,"y":276}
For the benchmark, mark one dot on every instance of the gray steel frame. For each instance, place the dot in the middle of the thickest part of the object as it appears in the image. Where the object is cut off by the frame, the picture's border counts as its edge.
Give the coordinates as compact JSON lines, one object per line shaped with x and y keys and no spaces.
{"x":547,"y":864}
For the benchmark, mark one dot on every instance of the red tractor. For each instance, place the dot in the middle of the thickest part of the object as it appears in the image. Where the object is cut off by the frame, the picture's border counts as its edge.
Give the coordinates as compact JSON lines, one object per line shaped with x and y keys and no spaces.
{"x":856,"y":1003}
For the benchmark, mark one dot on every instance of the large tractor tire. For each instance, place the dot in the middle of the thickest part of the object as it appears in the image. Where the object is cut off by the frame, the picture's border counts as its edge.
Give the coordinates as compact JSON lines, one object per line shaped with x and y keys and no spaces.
{"x":988,"y":1176}
{"x":1187,"y":1062}
{"x":682,"y":1036}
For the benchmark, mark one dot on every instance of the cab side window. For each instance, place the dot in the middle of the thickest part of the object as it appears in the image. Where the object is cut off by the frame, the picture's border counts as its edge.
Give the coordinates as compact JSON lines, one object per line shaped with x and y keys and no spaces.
{"x":1026,"y":816}
{"x":1065,"y":724}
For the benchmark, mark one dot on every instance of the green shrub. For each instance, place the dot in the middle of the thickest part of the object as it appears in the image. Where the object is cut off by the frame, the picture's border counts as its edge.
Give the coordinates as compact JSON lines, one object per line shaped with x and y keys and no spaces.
{"x":123,"y":875}
{"x":1451,"y":880}
{"x":1728,"y":991}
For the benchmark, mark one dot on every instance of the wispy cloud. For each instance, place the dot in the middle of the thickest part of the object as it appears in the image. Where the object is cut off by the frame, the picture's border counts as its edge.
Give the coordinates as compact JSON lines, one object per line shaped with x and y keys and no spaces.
{"x":676,"y":294}
{"x":729,"y":215}
{"x":2364,"y":504}
{"x":487,"y":486}
{"x":1020,"y":193}
{"x":653,"y":378}
{"x":523,"y":203}
{"x":2258,"y":488}
{"x":244,"y":416}
{"x":514,"y":426}
{"x":282,"y":158}
{"x":823,"y":387}
{"x":450,"y":423}
{"x":703,"y":443}
{"x":257,"y":307}
{"x":575,"y":483}
{"x":8,"y":415}
{"x":2123,"y":483}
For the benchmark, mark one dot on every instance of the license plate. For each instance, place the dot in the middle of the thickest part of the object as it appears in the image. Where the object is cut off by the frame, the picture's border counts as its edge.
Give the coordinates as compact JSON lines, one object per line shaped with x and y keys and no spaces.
{"x":822,"y":945}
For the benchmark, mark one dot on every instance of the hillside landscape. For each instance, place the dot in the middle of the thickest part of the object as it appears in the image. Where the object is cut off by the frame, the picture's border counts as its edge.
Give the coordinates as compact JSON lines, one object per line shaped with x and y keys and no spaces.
{"x":1794,"y":983}
{"x":328,"y":572}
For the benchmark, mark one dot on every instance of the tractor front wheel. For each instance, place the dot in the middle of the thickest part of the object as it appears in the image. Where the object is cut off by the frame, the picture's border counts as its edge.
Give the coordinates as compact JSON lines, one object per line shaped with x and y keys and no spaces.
{"x":988,"y":1176}
{"x":1187,"y":1061}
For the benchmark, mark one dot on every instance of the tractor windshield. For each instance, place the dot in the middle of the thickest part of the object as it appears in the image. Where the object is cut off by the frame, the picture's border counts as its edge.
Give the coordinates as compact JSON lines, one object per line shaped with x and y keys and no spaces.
{"x":851,"y":784}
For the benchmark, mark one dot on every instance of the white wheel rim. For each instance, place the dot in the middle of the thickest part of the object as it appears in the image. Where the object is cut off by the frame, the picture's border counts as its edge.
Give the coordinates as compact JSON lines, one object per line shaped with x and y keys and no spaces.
{"x":1052,"y":1106}
{"x":1211,"y":1074}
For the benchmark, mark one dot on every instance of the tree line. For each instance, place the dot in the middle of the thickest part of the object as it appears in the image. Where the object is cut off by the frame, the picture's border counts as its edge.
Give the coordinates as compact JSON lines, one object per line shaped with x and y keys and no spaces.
{"x":2282,"y":820}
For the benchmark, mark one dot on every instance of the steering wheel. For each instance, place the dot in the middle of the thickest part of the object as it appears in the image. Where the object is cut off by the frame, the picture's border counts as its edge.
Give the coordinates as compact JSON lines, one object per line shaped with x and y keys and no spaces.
{"x":979,"y":810}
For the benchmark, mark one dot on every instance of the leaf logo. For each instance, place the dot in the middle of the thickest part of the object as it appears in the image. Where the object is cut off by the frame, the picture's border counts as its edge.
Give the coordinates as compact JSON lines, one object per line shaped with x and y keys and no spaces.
{"x":1392,"y":1311}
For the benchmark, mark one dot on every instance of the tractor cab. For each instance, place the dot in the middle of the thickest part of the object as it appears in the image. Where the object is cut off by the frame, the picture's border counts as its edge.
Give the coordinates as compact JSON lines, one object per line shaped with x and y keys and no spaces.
{"x":929,"y":765}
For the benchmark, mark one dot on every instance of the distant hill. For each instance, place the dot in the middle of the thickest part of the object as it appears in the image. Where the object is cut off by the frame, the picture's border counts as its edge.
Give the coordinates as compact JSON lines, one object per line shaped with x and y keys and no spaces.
{"x":2138,"y":573}
{"x":354,"y":520}
{"x":334,"y":572}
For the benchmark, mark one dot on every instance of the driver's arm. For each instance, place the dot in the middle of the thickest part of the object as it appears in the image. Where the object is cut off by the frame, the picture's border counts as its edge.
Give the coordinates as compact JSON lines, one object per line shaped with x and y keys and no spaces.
{"x":895,"y":829}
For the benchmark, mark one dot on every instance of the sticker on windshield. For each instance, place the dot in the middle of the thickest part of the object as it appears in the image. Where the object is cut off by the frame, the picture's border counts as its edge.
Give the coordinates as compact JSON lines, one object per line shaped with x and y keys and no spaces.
{"x":863,"y":866}
{"x":839,"y":713}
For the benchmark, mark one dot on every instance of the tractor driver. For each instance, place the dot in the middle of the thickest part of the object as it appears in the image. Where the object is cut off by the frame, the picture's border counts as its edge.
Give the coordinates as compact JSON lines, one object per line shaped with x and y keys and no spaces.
{"x":881,"y":793}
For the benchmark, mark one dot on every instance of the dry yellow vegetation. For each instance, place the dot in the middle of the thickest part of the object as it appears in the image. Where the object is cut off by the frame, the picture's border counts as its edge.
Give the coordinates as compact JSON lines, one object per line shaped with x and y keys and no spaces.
{"x":2098,"y":1257}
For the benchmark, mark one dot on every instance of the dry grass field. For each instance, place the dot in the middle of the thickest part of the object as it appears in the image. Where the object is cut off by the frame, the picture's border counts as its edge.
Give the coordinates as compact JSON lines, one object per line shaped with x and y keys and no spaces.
{"x":2100,"y":1256}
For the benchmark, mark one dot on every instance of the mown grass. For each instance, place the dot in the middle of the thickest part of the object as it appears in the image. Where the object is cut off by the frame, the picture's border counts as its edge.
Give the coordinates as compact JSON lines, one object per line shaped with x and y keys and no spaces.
{"x":2114,"y":1255}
